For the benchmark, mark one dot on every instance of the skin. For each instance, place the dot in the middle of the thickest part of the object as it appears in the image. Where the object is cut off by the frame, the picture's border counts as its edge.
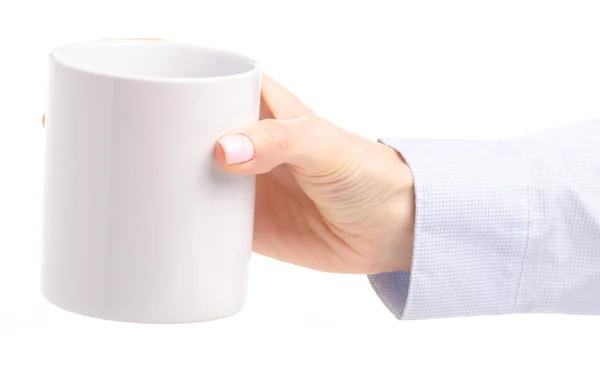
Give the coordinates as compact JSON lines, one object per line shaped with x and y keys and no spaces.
{"x":326,"y":199}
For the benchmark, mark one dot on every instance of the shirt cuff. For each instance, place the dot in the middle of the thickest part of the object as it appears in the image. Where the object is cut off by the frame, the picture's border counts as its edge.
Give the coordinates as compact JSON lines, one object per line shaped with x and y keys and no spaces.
{"x":471,"y":231}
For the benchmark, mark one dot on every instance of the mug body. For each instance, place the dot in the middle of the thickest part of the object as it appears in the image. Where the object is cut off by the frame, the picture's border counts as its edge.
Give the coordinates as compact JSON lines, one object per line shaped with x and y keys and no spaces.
{"x":140,"y":222}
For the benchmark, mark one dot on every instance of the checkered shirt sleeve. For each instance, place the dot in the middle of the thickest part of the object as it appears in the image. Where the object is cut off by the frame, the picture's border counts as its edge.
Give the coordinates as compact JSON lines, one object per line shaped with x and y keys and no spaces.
{"x":502,"y":227}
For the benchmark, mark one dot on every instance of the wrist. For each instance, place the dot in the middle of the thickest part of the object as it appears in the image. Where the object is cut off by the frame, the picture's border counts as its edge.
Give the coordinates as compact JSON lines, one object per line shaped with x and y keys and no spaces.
{"x":401,"y":214}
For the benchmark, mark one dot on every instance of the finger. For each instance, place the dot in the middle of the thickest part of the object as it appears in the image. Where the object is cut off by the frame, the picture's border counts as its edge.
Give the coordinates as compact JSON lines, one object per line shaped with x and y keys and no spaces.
{"x":280,"y":102}
{"x":311,"y":145}
{"x":265,"y":112}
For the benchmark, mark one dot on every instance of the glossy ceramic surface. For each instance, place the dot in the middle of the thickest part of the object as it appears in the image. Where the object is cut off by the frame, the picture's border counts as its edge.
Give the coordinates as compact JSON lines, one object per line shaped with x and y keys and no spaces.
{"x":140,"y":223}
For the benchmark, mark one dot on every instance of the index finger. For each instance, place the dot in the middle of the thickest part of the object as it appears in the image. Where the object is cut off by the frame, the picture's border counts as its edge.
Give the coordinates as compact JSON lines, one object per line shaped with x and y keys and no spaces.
{"x":280,"y":102}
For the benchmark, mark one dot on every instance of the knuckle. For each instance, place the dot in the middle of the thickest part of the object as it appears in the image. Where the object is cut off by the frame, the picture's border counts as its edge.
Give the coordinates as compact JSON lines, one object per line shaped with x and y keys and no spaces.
{"x":278,"y":136}
{"x":320,"y":127}
{"x":321,"y":123}
{"x":325,"y":132}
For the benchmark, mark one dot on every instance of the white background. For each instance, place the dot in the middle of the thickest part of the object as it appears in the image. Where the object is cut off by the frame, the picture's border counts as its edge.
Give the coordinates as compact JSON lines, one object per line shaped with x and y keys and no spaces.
{"x":474,"y":69}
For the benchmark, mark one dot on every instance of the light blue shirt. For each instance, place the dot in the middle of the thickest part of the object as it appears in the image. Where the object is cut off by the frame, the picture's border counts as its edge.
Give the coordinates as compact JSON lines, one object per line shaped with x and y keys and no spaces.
{"x":502,"y":227}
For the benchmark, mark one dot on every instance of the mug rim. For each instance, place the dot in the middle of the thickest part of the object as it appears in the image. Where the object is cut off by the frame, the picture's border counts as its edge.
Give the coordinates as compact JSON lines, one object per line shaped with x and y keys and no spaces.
{"x":54,"y":57}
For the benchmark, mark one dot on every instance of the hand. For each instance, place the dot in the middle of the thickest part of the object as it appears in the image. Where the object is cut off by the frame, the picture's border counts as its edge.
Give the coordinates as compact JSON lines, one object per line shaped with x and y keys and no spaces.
{"x":325,"y":198}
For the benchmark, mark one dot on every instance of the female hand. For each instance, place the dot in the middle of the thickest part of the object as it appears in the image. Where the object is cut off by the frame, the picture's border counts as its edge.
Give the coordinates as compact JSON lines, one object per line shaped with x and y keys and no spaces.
{"x":325,"y":198}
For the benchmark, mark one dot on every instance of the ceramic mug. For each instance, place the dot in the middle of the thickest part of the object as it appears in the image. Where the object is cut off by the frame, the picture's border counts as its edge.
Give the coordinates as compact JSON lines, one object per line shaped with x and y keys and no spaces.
{"x":140,"y":222}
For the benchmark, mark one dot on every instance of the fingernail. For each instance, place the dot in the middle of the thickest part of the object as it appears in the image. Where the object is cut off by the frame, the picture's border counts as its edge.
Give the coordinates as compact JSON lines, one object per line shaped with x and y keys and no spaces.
{"x":237,"y":149}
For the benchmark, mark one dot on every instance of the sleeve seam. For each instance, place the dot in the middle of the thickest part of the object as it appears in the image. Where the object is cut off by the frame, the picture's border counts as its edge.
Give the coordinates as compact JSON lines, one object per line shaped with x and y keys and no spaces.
{"x":529,"y":225}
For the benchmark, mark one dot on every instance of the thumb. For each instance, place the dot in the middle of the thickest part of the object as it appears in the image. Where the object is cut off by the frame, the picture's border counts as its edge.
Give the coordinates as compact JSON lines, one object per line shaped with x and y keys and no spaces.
{"x":311,"y":145}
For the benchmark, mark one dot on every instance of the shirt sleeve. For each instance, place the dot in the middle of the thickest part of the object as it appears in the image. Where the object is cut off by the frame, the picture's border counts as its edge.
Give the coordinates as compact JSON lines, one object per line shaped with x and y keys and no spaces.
{"x":501,"y":227}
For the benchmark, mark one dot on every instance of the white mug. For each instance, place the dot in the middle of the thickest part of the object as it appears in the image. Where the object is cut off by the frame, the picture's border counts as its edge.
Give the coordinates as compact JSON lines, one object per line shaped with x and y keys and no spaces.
{"x":140,"y":222}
